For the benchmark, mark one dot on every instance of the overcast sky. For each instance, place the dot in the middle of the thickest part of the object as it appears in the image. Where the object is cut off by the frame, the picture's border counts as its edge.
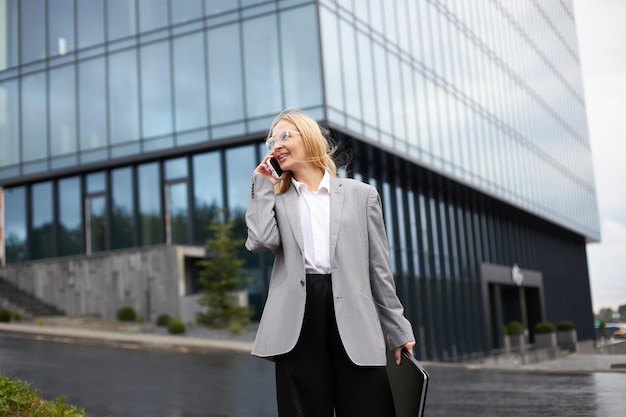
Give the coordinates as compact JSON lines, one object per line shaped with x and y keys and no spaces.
{"x":601,"y":27}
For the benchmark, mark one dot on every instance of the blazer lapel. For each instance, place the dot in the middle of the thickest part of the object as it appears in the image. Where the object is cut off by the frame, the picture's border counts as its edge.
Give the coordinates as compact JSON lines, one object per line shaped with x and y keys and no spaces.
{"x":336,"y":211}
{"x":290,"y":205}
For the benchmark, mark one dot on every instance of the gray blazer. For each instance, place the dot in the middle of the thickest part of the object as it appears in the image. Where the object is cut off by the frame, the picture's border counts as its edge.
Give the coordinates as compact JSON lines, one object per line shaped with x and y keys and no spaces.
{"x":362,"y":282}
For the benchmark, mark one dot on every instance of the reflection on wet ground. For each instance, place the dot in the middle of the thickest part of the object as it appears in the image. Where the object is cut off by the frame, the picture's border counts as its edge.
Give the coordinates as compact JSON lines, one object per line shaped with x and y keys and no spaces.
{"x":491,"y":393}
{"x":138,"y":383}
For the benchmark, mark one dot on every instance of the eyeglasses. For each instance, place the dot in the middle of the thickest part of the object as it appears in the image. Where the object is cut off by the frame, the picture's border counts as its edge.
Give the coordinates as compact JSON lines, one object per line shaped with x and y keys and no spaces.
{"x":281,"y":137}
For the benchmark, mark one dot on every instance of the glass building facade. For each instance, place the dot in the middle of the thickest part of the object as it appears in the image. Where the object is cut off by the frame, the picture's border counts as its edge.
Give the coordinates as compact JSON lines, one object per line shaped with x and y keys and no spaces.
{"x":128,"y":123}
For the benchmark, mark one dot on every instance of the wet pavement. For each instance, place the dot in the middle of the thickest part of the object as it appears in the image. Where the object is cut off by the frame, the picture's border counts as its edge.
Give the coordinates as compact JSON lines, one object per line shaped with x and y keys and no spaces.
{"x":463,"y":393}
{"x":121,"y":378}
{"x":118,"y":382}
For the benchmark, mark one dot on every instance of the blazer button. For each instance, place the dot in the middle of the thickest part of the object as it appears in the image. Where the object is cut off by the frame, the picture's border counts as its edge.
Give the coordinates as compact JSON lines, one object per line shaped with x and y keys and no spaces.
{"x":302,"y":283}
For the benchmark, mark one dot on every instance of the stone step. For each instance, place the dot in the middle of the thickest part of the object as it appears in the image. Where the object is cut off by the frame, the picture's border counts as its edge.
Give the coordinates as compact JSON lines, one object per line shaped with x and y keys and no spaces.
{"x":25,"y":301}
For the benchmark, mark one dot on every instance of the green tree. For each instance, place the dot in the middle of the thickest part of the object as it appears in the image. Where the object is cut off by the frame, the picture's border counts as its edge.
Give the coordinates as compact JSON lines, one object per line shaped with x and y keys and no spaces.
{"x":221,"y":276}
{"x":621,"y":310}
{"x":602,"y":330}
{"x":606,"y":315}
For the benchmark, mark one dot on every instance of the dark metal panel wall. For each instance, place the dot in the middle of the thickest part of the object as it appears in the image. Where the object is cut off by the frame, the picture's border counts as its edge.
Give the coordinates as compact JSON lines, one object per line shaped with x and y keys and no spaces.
{"x":456,"y":229}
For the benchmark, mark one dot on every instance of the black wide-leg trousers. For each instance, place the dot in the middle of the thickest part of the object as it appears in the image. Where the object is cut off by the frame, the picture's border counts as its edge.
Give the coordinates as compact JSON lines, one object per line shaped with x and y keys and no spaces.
{"x":317,"y":377}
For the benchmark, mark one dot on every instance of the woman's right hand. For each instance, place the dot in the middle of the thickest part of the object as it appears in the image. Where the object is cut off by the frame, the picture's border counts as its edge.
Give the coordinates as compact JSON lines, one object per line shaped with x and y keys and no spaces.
{"x":264,"y":170}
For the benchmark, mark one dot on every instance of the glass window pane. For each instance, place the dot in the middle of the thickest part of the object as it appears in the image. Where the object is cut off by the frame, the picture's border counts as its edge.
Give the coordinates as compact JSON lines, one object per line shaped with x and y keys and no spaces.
{"x":96,"y":183}
{"x":90,"y":22}
{"x":219,"y":6}
{"x":425,"y":242}
{"x":190,"y":93}
{"x":120,"y":18}
{"x":410,"y":110}
{"x":153,"y":14}
{"x":122,"y":208}
{"x":176,"y":169}
{"x":32,"y":30}
{"x":70,"y":216}
{"x":149,"y":203}
{"x":362,"y":13}
{"x":96,"y":227}
{"x":414,"y":230}
{"x":402,"y":238}
{"x":366,"y":78}
{"x":301,"y":57}
{"x":9,"y":123}
{"x":332,"y":59}
{"x":9,"y":34}
{"x":350,"y":67}
{"x":92,"y":104}
{"x":376,"y":15}
{"x":240,"y":163}
{"x":60,"y":27}
{"x":245,"y":3}
{"x":156,"y":89}
{"x":42,"y":236}
{"x":382,"y":88}
{"x":123,"y":96}
{"x":62,"y":111}
{"x":225,"y":78}
{"x":34,"y":127}
{"x":207,"y":192}
{"x":391,"y":27}
{"x":422,"y":102}
{"x":186,"y":10}
{"x":262,"y":73}
{"x":388,"y":217}
{"x":397,"y":97}
{"x":15,"y":224}
{"x":178,"y":213}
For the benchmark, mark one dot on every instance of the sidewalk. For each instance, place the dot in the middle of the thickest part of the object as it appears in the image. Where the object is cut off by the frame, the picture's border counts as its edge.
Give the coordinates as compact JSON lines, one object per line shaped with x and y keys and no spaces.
{"x":577,"y":362}
{"x":573,"y":362}
{"x":94,"y":331}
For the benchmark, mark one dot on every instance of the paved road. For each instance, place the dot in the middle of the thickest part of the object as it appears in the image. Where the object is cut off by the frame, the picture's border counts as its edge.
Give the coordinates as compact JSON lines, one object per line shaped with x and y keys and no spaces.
{"x":135,"y":382}
{"x":132,"y":383}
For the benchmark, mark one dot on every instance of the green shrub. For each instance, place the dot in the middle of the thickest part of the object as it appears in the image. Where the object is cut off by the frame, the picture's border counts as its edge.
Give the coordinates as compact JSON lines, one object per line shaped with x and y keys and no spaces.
{"x":18,"y":399}
{"x":515,"y":327}
{"x":544,"y":327}
{"x":5,"y":316}
{"x":17,"y":314}
{"x":505,"y":330}
{"x":126,"y":313}
{"x":236,"y":326}
{"x":175,"y":327}
{"x":565,"y":325}
{"x":163,"y":320}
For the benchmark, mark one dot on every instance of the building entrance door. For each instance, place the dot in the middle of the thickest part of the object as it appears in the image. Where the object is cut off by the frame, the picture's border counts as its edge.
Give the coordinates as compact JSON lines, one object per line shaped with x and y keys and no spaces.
{"x":510,"y":294}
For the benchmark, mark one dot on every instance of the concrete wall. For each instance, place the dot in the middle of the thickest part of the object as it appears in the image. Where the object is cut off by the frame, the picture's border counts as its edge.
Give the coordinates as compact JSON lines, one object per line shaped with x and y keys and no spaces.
{"x":150,"y":279}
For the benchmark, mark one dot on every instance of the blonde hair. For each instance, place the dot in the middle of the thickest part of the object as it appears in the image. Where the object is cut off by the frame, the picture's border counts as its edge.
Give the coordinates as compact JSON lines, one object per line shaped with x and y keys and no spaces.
{"x":319,"y":148}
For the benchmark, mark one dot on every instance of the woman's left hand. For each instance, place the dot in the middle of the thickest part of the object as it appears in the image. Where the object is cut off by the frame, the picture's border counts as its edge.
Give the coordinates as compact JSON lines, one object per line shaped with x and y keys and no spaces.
{"x":408,"y":346}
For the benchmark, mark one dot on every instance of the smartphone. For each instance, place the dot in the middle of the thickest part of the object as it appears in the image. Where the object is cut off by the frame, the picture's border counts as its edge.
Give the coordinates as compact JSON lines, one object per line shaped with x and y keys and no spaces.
{"x":273,"y":165}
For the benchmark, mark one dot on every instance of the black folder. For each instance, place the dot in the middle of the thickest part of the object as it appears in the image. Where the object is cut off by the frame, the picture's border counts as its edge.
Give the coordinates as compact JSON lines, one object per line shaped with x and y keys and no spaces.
{"x":409,"y":383}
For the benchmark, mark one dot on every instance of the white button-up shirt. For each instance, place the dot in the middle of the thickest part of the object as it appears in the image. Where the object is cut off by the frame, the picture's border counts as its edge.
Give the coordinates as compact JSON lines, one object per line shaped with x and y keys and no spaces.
{"x":314,"y":210}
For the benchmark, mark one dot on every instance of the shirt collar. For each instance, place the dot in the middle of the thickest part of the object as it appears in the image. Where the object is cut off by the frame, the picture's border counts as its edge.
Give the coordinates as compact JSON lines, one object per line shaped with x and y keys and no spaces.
{"x":324,"y":184}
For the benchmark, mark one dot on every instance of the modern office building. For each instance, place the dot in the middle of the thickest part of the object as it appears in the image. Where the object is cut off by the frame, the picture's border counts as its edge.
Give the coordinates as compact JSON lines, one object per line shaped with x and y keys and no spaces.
{"x":126,"y":125}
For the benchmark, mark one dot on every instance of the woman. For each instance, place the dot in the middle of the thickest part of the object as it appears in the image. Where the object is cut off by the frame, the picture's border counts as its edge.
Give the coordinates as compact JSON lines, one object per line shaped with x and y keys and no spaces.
{"x":332,"y":292}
